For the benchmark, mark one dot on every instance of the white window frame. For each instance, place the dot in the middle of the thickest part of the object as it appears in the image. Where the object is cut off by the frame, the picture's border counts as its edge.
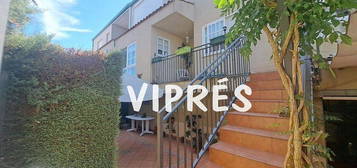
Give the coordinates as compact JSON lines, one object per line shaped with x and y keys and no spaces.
{"x":207,"y":25}
{"x":127,"y":66}
{"x":157,"y":46}
{"x":208,"y":52}
{"x":107,"y":36}
{"x":99,"y":44}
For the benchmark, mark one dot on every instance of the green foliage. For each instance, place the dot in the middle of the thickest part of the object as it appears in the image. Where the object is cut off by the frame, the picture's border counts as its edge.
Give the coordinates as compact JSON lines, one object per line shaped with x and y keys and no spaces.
{"x":306,"y":24}
{"x":78,"y":133}
{"x":62,"y":105}
{"x":318,"y":20}
{"x":19,"y":14}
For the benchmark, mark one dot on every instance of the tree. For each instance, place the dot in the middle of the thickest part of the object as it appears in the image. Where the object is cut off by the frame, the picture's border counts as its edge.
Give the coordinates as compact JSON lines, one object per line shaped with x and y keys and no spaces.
{"x":309,"y":24}
{"x":20,"y":14}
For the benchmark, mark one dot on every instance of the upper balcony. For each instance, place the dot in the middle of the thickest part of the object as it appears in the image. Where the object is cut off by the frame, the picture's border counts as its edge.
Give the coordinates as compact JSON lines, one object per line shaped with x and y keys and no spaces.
{"x":188,"y":62}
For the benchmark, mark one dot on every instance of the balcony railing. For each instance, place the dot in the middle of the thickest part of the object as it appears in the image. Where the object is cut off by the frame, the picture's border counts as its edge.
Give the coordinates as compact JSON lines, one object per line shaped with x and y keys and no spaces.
{"x":185,"y":67}
{"x":197,"y":130}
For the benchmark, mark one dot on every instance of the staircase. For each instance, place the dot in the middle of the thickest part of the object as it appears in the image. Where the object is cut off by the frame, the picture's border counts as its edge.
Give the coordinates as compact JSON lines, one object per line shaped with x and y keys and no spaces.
{"x":255,"y":139}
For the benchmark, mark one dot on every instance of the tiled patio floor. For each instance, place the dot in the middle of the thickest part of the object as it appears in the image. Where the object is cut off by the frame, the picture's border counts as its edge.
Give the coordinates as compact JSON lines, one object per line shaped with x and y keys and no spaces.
{"x":140,"y":151}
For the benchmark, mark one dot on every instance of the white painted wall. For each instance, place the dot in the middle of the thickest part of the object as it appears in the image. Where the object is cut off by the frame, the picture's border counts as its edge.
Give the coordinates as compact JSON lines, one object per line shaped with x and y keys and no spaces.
{"x":143,"y":8}
{"x":101,"y":39}
{"x":4,"y":8}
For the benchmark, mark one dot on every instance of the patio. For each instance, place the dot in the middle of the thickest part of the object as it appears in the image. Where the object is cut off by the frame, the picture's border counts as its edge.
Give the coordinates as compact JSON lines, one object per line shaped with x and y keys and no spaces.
{"x":140,"y":152}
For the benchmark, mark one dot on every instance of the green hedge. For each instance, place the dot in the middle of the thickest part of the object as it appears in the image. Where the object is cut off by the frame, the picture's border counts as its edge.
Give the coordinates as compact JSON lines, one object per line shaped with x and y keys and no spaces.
{"x":78,"y":133}
{"x":62,"y":108}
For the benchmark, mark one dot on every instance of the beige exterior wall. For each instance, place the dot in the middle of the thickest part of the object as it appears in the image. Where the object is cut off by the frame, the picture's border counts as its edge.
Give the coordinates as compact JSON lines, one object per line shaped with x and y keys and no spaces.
{"x":345,"y":79}
{"x":174,"y":40}
{"x":201,"y":13}
{"x":108,"y":48}
{"x":206,"y":12}
{"x":102,"y":38}
{"x":145,"y":35}
{"x":117,"y":31}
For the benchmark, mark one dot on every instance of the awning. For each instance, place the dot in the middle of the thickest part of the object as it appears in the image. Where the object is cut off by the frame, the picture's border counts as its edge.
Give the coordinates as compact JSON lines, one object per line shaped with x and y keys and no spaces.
{"x":136,"y":83}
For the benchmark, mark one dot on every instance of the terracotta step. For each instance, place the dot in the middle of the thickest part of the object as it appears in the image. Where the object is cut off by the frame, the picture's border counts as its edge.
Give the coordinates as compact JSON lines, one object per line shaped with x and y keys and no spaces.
{"x":234,"y":156}
{"x":269,"y":122}
{"x":265,"y":84}
{"x":266,"y":141}
{"x":268,"y":94}
{"x":266,"y":106}
{"x":265,"y":76}
{"x":207,"y":164}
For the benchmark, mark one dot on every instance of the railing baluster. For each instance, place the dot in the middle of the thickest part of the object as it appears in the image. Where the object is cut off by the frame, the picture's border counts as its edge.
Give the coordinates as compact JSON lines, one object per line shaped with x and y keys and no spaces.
{"x":205,"y":64}
{"x":177,"y":139}
{"x":191,"y":136}
{"x":184,"y":137}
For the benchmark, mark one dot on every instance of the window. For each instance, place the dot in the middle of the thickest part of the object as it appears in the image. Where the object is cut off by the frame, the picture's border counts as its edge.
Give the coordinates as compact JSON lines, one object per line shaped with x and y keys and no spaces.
{"x":131,"y":60}
{"x":108,"y":37}
{"x":163,"y":47}
{"x":213,"y":30}
{"x":99,"y":44}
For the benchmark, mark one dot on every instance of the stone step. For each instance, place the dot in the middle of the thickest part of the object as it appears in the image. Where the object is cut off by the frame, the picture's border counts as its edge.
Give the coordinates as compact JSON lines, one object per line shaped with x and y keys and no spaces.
{"x":207,"y":164}
{"x":264,"y":121}
{"x":265,"y":84}
{"x":264,"y":76}
{"x":266,"y":106}
{"x":234,"y":156}
{"x":267,"y":141}
{"x":268,"y":94}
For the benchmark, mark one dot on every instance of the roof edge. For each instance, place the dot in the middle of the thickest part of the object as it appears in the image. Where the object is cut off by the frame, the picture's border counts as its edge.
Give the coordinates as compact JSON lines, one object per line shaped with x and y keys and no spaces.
{"x":126,"y":7}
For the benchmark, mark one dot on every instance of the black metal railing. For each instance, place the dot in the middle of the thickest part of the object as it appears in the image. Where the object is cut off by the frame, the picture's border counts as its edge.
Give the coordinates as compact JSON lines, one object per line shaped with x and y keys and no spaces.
{"x":184,"y":67}
{"x":183,"y":137}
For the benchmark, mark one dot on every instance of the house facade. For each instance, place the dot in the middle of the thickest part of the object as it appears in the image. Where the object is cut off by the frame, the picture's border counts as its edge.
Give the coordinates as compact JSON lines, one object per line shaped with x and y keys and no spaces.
{"x":179,"y":41}
{"x":152,"y":28}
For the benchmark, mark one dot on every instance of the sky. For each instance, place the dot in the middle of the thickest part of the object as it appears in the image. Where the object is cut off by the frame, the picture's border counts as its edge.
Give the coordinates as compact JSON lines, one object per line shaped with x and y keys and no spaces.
{"x":74,"y":22}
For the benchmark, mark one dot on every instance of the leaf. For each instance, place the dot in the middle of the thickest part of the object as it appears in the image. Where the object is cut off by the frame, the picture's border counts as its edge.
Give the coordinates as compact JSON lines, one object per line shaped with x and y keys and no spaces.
{"x":349,"y":4}
{"x":346,"y":39}
{"x":319,"y":41}
{"x":335,"y":22}
{"x":216,"y":2}
{"x":333,"y":37}
{"x":222,"y":3}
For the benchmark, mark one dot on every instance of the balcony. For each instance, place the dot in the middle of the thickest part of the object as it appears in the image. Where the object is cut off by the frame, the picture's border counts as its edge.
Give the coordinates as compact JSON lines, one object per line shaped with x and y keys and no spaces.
{"x":185,"y":66}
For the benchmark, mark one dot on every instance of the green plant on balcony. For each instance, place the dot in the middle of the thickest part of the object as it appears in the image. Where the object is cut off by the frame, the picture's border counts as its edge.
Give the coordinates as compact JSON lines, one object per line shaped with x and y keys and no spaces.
{"x":218,"y":40}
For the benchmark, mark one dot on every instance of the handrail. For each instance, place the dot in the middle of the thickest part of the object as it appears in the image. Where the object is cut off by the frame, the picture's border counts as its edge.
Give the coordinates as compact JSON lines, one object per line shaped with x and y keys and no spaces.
{"x":214,"y":133}
{"x":204,"y":74}
{"x":192,"y":50}
{"x":197,"y":132}
{"x":184,"y":67}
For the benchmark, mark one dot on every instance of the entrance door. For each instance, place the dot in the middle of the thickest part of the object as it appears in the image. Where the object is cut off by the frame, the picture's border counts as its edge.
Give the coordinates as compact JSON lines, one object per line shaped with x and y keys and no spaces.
{"x":341,"y":125}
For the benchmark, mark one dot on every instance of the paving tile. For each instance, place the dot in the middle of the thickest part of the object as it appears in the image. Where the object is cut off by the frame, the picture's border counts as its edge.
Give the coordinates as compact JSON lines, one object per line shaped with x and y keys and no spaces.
{"x":140,"y":151}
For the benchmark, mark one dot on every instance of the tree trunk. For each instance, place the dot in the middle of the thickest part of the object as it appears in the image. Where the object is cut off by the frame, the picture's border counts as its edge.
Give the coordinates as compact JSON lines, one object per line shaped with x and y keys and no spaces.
{"x":293,"y":86}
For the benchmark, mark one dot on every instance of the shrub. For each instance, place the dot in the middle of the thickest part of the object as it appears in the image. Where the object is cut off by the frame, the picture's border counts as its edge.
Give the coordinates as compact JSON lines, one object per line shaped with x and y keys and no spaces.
{"x":62,"y":106}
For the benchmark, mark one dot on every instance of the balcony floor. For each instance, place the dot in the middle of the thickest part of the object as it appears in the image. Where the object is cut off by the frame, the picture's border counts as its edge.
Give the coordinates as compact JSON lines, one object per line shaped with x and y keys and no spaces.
{"x":140,"y":151}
